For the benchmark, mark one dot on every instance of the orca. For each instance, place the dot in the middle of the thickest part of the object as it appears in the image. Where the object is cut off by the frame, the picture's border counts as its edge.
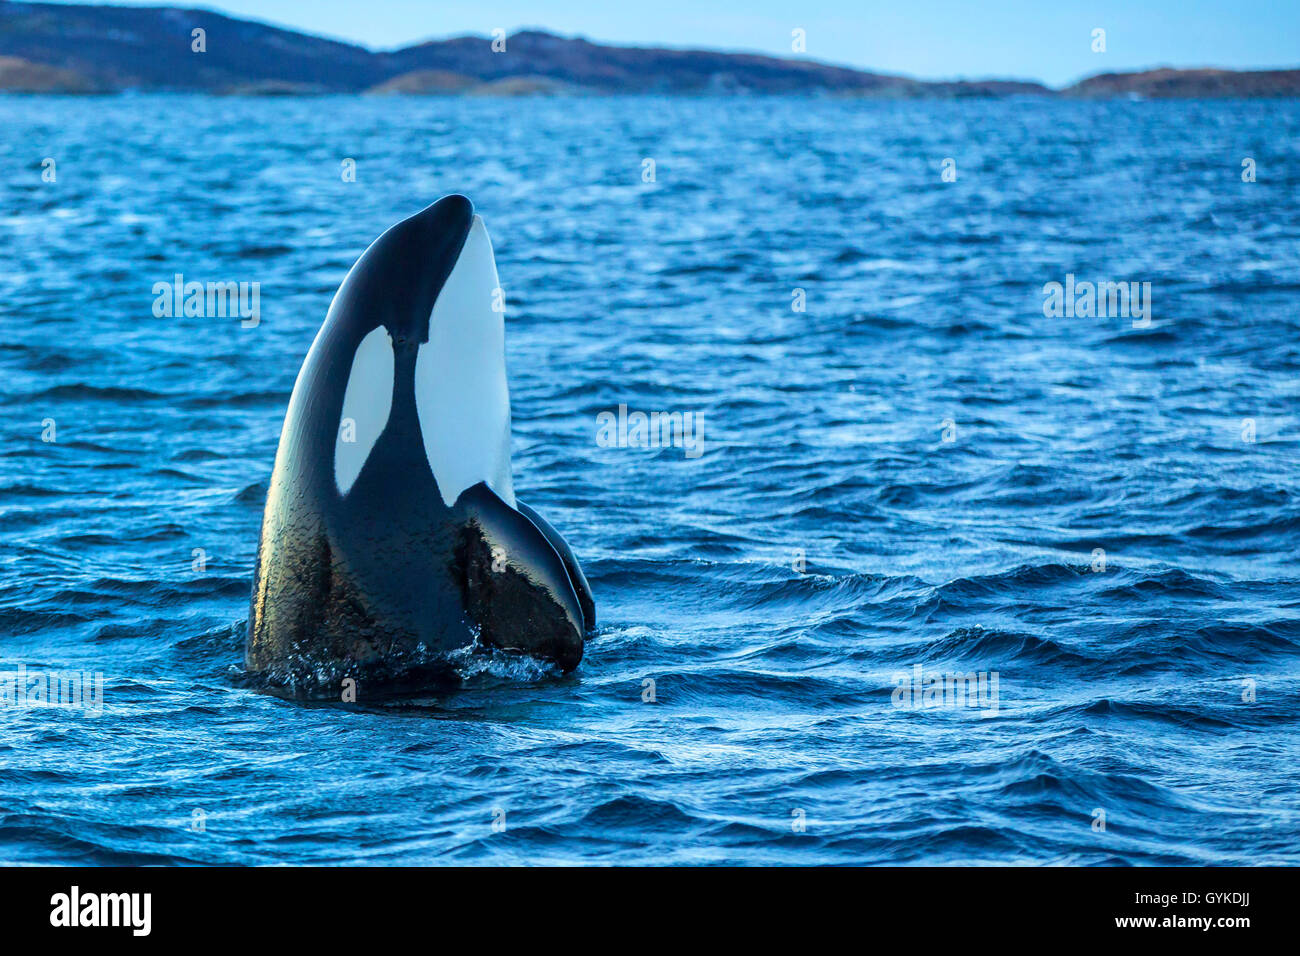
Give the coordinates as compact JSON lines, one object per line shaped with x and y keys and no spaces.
{"x":392,"y":543}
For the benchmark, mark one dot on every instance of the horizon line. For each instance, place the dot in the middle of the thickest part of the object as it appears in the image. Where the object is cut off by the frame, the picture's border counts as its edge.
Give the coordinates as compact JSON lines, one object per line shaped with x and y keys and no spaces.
{"x":961,"y":78}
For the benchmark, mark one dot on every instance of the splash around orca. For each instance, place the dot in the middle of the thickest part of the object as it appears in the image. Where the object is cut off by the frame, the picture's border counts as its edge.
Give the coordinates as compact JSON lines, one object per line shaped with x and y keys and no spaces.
{"x":393,"y":544}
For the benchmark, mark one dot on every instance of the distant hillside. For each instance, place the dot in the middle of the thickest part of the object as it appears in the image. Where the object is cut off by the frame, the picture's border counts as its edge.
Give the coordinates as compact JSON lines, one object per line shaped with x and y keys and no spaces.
{"x":71,"y":48}
{"x":1190,"y":84}
{"x":580,"y":63}
{"x":115,"y":48}
{"x":427,"y":81}
{"x":23,"y":76}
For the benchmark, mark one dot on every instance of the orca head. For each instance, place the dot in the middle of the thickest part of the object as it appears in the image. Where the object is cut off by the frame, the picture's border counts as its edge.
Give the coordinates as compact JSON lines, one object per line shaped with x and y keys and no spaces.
{"x":421,"y":323}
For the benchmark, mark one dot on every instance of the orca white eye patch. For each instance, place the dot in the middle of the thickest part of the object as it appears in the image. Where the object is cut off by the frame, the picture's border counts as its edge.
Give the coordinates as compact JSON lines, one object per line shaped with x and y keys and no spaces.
{"x":367,"y":403}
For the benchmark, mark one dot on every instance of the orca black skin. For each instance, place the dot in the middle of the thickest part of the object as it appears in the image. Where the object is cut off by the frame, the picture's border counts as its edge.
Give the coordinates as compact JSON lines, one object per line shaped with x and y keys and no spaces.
{"x":367,"y":567}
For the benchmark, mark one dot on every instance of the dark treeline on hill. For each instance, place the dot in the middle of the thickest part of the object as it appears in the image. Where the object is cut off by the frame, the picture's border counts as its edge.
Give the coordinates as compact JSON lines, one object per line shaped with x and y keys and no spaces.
{"x":86,"y":49}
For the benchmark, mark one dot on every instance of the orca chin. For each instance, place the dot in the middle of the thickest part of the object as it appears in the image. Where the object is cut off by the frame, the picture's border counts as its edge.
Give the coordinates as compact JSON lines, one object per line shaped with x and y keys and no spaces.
{"x":392,"y":544}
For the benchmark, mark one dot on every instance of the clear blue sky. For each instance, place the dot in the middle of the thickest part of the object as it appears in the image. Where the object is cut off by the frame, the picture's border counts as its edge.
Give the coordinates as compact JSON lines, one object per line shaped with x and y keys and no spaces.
{"x":1048,"y":40}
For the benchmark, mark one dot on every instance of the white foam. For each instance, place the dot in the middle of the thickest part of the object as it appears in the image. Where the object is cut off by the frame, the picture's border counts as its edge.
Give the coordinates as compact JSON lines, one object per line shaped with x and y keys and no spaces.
{"x":461,"y":393}
{"x":367,"y":402}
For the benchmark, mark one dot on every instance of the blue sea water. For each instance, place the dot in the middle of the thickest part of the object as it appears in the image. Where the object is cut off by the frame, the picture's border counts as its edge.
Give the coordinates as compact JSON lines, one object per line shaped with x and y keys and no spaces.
{"x":920,"y":469}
